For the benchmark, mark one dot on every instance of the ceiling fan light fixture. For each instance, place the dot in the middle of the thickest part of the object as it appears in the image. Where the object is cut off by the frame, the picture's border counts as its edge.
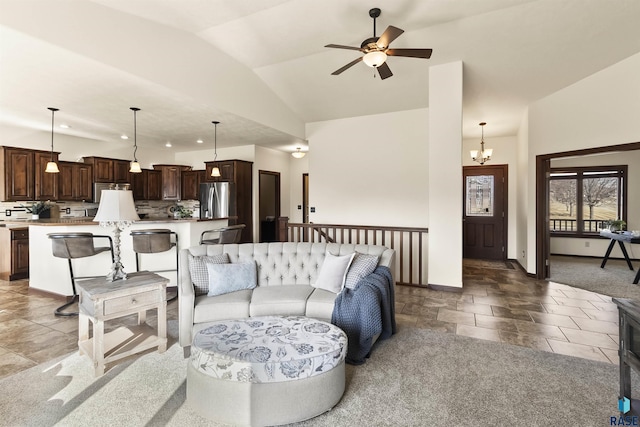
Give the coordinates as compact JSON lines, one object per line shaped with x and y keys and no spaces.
{"x":374,"y":58}
{"x":298,"y":154}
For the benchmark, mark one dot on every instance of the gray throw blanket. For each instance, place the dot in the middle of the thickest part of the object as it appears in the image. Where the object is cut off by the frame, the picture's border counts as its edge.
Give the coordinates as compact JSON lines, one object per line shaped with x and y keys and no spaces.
{"x":366,"y":311}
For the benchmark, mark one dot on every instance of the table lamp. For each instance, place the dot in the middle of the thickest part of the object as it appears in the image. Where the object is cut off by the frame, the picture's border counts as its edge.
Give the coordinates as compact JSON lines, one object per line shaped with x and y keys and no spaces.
{"x":116,"y":209}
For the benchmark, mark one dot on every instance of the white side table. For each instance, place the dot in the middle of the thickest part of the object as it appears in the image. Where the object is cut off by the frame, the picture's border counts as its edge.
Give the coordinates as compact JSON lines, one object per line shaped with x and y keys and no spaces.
{"x":101,"y":301}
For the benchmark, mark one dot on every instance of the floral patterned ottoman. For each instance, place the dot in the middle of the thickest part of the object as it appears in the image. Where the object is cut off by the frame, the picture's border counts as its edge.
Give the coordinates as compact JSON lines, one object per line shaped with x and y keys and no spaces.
{"x":266,"y":370}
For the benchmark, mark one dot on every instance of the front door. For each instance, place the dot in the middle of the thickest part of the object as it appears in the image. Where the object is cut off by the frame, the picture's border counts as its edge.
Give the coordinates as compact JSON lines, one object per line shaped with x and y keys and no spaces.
{"x":484,"y":212}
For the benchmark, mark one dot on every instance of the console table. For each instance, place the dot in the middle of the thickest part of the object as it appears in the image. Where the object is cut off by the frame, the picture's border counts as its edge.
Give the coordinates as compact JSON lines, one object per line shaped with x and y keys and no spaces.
{"x":620,"y":238}
{"x":101,"y":301}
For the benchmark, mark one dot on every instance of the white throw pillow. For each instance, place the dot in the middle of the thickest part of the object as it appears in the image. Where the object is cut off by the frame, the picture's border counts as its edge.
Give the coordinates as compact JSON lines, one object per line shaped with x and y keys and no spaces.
{"x":333,"y":272}
{"x":225,"y":278}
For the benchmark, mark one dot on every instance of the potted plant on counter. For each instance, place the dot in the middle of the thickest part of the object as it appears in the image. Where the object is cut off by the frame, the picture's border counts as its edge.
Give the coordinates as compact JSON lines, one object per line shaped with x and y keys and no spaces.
{"x":39,"y":208}
{"x":616,"y":225}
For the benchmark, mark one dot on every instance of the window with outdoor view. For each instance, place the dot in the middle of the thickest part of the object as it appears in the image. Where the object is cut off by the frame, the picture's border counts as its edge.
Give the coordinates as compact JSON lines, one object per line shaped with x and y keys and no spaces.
{"x":582,"y":200}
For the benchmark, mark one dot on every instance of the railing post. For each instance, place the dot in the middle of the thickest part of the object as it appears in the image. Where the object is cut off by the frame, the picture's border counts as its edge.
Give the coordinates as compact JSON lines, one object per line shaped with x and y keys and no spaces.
{"x":283,"y":229}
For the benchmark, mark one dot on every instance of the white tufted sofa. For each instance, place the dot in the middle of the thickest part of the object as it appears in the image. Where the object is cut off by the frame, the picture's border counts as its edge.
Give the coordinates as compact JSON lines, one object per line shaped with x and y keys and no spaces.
{"x":286,"y":272}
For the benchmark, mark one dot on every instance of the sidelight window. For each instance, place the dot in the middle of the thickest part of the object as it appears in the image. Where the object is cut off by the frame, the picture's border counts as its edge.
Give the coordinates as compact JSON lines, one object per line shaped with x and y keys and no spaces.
{"x":582,"y":199}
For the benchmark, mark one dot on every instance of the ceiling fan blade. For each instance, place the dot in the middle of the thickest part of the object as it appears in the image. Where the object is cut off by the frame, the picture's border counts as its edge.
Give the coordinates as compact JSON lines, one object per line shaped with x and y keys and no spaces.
{"x":410,"y":53}
{"x":349,"y":65}
{"x":339,"y":46}
{"x":389,"y":35}
{"x":384,"y":71}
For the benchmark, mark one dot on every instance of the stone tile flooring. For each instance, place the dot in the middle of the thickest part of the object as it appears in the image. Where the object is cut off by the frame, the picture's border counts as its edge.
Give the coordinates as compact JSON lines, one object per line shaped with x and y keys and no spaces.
{"x":496,"y":303}
{"x":504,"y":305}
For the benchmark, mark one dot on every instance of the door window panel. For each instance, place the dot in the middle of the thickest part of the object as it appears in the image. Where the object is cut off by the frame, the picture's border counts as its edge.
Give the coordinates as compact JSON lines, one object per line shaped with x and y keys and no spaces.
{"x":480,"y":194}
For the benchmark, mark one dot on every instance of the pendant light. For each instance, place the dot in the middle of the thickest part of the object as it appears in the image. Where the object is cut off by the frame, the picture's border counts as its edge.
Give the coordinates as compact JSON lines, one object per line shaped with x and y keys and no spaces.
{"x":52,"y":167}
{"x":484,"y":155}
{"x":298,"y":154}
{"x":134,"y":165}
{"x":215,"y":172}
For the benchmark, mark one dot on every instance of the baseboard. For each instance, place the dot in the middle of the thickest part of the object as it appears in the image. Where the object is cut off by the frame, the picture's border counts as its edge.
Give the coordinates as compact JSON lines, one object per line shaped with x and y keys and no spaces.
{"x":65,"y":298}
{"x":444,"y":288}
{"x":524,"y":270}
{"x":595,"y":257}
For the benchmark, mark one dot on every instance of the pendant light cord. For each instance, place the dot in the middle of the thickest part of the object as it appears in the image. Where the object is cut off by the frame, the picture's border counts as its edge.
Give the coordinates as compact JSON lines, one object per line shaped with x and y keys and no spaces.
{"x":53,"y":112}
{"x":215,"y":140}
{"x":135,"y":133}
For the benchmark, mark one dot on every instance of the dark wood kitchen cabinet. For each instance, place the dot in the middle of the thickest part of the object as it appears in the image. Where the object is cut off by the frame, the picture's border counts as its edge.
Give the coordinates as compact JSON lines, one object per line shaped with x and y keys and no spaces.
{"x":75,"y":181}
{"x":14,"y":255}
{"x":191,"y":184}
{"x":23,"y":176}
{"x":240,"y":173}
{"x":147,"y":185}
{"x":171,"y":182}
{"x":46,"y":184}
{"x":109,"y":170}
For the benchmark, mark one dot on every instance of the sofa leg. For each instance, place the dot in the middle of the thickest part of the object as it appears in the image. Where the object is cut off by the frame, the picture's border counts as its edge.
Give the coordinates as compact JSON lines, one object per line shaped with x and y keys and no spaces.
{"x":187,"y":351}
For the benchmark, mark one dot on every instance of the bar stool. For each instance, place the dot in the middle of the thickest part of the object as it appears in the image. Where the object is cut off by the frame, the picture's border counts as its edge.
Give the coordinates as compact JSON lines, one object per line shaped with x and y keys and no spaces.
{"x":76,"y":245}
{"x":226,"y":235}
{"x":153,"y":241}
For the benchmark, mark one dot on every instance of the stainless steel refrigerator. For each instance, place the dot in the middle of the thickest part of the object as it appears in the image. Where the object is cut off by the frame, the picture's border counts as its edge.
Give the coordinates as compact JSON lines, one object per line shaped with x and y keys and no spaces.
{"x":217,"y":200}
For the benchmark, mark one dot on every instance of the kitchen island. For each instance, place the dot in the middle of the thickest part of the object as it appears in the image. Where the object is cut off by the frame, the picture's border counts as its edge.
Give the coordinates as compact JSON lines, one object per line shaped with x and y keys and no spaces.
{"x":51,"y":274}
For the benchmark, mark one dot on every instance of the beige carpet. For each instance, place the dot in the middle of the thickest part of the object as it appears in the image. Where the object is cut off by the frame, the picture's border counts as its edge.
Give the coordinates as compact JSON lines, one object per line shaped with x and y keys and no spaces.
{"x":615,"y":280}
{"x":416,"y":378}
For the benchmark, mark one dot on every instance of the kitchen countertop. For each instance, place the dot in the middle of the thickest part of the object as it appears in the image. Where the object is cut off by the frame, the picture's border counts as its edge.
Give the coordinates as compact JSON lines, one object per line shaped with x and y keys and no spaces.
{"x":89,"y":221}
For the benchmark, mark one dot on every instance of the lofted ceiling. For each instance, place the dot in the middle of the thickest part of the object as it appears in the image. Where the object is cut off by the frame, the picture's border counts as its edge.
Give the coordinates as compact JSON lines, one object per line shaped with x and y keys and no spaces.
{"x":514,"y":53}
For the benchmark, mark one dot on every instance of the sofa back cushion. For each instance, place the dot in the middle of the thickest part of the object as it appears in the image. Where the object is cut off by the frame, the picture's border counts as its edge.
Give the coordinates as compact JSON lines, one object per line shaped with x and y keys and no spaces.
{"x":289,"y":263}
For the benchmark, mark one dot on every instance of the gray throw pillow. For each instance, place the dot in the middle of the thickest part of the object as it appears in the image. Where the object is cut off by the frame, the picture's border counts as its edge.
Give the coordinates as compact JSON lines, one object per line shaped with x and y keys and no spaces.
{"x":225,"y":278}
{"x":361,"y":266}
{"x":199,"y":273}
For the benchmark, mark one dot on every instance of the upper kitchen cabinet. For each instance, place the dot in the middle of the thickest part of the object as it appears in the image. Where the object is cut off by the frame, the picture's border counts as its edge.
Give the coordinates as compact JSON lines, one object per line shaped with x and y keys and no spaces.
{"x":147,"y":185}
{"x":23,"y":176}
{"x":227,"y":170}
{"x":109,"y":170}
{"x":191,"y":184}
{"x":171,"y":182}
{"x":46,"y":183}
{"x":75,"y":181}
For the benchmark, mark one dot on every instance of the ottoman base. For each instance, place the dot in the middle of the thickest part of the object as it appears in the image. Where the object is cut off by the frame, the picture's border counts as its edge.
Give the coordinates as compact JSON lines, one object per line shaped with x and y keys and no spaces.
{"x":263,"y":404}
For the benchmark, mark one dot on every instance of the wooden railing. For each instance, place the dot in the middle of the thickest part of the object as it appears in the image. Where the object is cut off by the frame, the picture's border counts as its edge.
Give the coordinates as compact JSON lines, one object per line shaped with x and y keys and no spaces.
{"x":410,"y":243}
{"x":588,"y":225}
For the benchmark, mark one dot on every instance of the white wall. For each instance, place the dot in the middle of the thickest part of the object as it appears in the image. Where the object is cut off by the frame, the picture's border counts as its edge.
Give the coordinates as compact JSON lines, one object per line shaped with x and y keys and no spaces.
{"x":196,"y":159}
{"x":445,"y":175}
{"x":297,"y":168}
{"x":522,"y":248}
{"x":505,"y":152}
{"x":369,"y":170}
{"x":600,"y":110}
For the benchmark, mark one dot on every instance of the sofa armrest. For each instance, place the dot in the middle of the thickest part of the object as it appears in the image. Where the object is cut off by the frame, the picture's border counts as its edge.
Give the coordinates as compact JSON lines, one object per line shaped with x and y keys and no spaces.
{"x":186,"y":300}
{"x":388,"y":259}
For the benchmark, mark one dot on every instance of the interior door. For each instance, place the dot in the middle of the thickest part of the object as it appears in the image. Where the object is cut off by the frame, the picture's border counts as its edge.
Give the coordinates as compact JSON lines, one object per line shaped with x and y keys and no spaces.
{"x":484,"y":212}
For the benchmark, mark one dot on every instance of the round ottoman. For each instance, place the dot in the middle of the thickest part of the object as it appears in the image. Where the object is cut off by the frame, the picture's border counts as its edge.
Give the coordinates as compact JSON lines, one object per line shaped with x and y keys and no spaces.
{"x":266,"y":370}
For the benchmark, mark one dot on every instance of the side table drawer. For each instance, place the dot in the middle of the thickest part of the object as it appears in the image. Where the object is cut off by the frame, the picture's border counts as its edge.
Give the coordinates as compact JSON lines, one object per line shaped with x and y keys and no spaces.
{"x":129,"y":302}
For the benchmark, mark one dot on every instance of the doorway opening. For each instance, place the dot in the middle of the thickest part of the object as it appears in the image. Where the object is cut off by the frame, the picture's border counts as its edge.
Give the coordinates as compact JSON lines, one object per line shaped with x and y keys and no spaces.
{"x":485,"y":212}
{"x":269,"y":204}
{"x":305,"y":198}
{"x":543,"y":221}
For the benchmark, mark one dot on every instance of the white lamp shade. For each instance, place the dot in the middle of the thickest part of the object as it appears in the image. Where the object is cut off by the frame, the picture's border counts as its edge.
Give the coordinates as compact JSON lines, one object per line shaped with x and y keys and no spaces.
{"x":116,"y":205}
{"x":52,"y":167}
{"x":375,"y":58}
{"x":215,"y":172}
{"x":488,"y":152}
{"x":134,"y":167}
{"x":474,"y":154}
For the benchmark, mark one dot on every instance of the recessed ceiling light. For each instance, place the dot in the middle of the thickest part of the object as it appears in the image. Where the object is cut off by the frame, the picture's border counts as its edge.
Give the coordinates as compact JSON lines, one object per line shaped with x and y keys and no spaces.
{"x":168,"y":144}
{"x":63,"y":126}
{"x":124,"y":137}
{"x":199,"y":141}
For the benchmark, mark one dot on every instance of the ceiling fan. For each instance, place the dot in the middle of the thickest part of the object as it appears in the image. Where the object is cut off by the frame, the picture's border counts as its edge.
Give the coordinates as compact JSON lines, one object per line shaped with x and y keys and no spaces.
{"x":376,"y":49}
